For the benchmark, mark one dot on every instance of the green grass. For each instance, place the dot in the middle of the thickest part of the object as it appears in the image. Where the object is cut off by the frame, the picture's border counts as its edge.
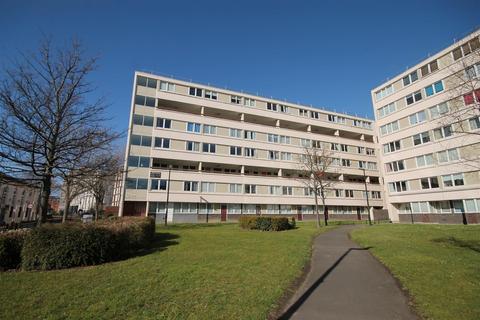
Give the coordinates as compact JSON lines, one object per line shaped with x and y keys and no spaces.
{"x":196,"y":272}
{"x":438,"y":264}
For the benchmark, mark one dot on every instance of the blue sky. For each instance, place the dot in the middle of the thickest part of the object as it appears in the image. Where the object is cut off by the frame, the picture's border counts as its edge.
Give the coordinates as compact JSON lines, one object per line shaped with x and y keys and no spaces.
{"x":325,"y":53}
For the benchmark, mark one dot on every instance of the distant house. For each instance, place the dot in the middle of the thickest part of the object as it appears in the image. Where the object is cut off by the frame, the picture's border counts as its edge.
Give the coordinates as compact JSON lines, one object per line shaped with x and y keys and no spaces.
{"x":53,"y":204}
{"x":19,"y":200}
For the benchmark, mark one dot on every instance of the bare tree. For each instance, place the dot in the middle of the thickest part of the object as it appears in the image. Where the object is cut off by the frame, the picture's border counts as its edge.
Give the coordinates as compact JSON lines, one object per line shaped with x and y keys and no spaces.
{"x":315,"y":169}
{"x":48,"y":116}
{"x":102,"y":176}
{"x":71,"y":188}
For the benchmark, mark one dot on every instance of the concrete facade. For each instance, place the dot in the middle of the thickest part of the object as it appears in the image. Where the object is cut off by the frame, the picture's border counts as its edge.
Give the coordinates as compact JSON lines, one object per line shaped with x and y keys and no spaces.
{"x":231,"y":153}
{"x":429,"y":142}
{"x":18,"y":200}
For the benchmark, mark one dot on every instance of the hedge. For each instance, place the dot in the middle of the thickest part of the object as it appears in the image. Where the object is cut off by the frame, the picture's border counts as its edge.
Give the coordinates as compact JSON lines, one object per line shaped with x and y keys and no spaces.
{"x":59,"y":246}
{"x":266,"y":223}
{"x":11,"y":243}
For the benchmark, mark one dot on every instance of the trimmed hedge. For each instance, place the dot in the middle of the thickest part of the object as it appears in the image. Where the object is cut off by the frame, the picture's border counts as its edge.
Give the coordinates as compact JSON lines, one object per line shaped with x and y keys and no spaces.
{"x":266,"y":223}
{"x":71,"y":245}
{"x":11,"y":243}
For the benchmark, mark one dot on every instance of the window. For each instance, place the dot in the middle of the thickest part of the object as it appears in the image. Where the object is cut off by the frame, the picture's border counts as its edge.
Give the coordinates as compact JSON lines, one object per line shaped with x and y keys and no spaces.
{"x":283,"y":108}
{"x":443,"y":132}
{"x":339,"y":193}
{"x":136,"y":183}
{"x":145,"y":101}
{"x":417,"y":117}
{"x":136,"y":161}
{"x":468,"y":98}
{"x":303,"y":113}
{"x":388,"y":90}
{"x":473,"y":71}
{"x":209,"y":129}
{"x":287,"y":191}
{"x":448,"y":155}
{"x":195,"y":92}
{"x":208,"y":186}
{"x":346,"y":162}
{"x":337,"y":119}
{"x":208,"y":147}
{"x":144,"y":141}
{"x":272,"y":138}
{"x":235,"y":188}
{"x":466,"y":48}
{"x":343,"y":147}
{"x":164,"y":123}
{"x":349,"y":193}
{"x":190,"y":186}
{"x":286,"y":156}
{"x":314,"y":114}
{"x":193,"y":127}
{"x":412,"y":98}
{"x":249,"y":102}
{"x":271,"y":106}
{"x":371,"y":152}
{"x":273,"y":155}
{"x":250,"y":135}
{"x":391,"y":147}
{"x":192,"y":146}
{"x":429,"y":68}
{"x":421,"y":138}
{"x":362,"y":164}
{"x":250,"y":189}
{"x":162,"y":143}
{"x":305,"y":142}
{"x":453,"y":180}
{"x":429,"y":183}
{"x":371,"y":165}
{"x":434,"y":88}
{"x":141,"y":120}
{"x":389,"y":127}
{"x":438,"y":110}
{"x":376,"y":195}
{"x":474,"y":123}
{"x":395,"y":166}
{"x":167,"y":86}
{"x":411,"y":78}
{"x":146,"y":82}
{"x":236,"y":99}
{"x":235,"y":133}
{"x":250,"y":152}
{"x":285,"y":139}
{"x":425,"y":160}
{"x":360,"y":150}
{"x":334,"y":146}
{"x":210,"y":95}
{"x":158,"y":184}
{"x":399,"y":186}
{"x":274,"y":190}
{"x":235,"y":151}
{"x":470,"y":205}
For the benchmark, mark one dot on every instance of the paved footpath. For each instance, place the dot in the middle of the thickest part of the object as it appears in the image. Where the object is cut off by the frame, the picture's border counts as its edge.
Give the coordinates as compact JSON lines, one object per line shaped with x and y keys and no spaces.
{"x":346,"y":282}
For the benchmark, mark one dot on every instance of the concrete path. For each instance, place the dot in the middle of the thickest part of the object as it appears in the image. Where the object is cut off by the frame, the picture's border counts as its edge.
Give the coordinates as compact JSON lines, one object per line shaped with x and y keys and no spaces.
{"x":346,"y":282}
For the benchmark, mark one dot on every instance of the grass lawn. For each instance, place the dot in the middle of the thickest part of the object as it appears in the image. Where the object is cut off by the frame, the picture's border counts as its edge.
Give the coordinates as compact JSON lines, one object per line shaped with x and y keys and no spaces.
{"x":195,"y":272}
{"x":438,"y":264}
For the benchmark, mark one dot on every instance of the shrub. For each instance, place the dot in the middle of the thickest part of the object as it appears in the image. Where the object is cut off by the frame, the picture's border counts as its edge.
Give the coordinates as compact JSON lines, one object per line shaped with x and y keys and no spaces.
{"x":71,"y":245}
{"x":11,"y":243}
{"x":266,"y":223}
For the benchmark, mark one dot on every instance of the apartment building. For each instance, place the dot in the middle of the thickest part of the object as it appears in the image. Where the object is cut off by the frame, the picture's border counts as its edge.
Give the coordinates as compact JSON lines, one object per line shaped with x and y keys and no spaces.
{"x":198,"y":152}
{"x":18,"y":200}
{"x":427,"y":122}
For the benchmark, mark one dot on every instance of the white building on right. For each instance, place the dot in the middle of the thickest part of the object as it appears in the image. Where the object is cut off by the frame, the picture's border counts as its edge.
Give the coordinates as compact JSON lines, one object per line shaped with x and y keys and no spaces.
{"x":427,"y":121}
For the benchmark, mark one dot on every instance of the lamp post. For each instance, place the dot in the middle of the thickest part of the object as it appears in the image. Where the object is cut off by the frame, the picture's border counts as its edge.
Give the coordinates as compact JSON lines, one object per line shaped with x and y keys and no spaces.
{"x":168,"y":194}
{"x":366,"y":195}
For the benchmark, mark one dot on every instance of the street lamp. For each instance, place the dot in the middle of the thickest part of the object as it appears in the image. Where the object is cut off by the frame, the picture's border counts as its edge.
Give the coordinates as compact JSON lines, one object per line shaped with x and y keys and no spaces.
{"x":366,"y":194}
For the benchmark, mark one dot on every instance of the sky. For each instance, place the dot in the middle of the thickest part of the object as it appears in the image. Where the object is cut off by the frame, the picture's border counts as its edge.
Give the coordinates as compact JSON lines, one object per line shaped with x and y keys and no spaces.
{"x":323,"y":53}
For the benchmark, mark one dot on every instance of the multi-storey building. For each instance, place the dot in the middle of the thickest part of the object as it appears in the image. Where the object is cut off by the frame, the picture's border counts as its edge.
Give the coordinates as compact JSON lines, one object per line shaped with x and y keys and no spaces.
{"x":428,"y":123}
{"x":228,"y":153}
{"x":18,"y":200}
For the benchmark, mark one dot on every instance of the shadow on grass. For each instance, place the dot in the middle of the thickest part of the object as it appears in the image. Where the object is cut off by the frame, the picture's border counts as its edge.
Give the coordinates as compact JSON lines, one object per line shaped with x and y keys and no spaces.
{"x":301,"y":300}
{"x":161,"y":241}
{"x":473,"y":245}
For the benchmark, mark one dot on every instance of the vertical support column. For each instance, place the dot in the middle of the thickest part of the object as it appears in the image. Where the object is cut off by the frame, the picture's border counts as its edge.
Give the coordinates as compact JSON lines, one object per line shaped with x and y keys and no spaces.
{"x":362,"y":137}
{"x":277,"y":124}
{"x":202,"y":111}
{"x":280,"y":172}
{"x":337,"y":133}
{"x":200,"y":165}
{"x":242,"y":117}
{"x":242,"y":170}
{"x":309,"y":128}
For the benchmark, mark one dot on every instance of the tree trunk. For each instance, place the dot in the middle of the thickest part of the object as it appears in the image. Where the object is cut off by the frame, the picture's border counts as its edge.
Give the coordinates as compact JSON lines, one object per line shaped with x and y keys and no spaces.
{"x":67,"y":204}
{"x":44,"y":196}
{"x":325,"y":218}
{"x":316,"y":210}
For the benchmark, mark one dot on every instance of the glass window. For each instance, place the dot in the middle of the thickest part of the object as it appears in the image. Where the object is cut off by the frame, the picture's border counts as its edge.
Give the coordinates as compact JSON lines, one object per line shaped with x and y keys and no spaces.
{"x":135,"y":140}
{"x":150,"y":102}
{"x":132,"y":161}
{"x":193,"y":127}
{"x":142,"y":184}
{"x":141,"y":81}
{"x":144,"y":162}
{"x":164,"y":123}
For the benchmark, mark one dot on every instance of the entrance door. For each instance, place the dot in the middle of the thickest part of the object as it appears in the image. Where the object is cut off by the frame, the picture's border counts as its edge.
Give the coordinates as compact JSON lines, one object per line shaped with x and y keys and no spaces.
{"x":299,"y":213}
{"x":359,"y":213}
{"x":223,"y":213}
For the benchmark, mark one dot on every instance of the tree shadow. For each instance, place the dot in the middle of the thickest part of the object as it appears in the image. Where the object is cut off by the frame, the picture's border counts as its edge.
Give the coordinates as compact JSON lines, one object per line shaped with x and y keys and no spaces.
{"x":160,"y":242}
{"x":473,"y":245}
{"x":301,"y":300}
